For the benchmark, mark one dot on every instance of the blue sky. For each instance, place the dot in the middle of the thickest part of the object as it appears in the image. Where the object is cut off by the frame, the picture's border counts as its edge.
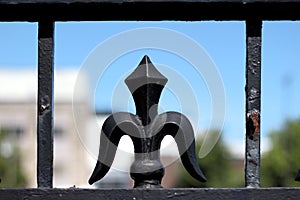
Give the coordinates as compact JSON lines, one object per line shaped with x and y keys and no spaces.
{"x":224,"y":43}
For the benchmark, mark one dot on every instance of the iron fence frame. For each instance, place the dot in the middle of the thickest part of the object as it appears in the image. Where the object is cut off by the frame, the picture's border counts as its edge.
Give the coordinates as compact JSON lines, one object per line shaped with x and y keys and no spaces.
{"x":47,"y":12}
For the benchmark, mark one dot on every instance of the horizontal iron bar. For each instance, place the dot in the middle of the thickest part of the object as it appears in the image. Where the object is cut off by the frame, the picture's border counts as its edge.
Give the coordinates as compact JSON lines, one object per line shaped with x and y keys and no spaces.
{"x":178,"y":193}
{"x":120,"y":1}
{"x":144,"y":10}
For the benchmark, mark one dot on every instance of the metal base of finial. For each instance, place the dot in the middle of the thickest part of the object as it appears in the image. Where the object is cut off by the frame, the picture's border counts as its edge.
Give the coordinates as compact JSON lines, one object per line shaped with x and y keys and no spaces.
{"x":147,"y":173}
{"x":148,"y":184}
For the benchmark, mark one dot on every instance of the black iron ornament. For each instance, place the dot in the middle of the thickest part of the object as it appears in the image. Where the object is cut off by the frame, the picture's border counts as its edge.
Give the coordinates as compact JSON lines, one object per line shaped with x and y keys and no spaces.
{"x":146,"y":129}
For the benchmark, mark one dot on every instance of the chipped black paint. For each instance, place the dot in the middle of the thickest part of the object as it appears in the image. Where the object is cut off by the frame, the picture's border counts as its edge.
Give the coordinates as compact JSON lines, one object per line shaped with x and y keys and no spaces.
{"x":253,"y":88}
{"x":138,"y":194}
{"x":45,"y":105}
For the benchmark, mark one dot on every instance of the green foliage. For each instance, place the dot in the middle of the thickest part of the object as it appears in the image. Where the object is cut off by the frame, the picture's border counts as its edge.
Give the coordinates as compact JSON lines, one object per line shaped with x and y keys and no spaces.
{"x":280,"y":165}
{"x":10,"y":171}
{"x":220,"y":169}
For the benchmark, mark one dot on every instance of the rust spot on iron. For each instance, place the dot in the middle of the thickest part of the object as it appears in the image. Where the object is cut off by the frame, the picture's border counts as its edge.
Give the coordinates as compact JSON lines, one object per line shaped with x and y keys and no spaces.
{"x":253,"y":123}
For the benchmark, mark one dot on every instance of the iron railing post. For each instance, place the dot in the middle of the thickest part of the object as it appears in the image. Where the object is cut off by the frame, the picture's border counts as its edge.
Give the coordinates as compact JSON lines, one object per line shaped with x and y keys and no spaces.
{"x":45,"y":104}
{"x":253,"y":101}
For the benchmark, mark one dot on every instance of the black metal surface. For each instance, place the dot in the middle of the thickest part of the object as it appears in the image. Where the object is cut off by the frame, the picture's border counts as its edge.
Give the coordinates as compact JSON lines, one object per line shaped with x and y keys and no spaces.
{"x":47,"y":11}
{"x":137,"y":194}
{"x":98,"y":10}
{"x":253,"y":101}
{"x":297,"y":178}
{"x":69,"y":2}
{"x":45,"y":105}
{"x":146,"y":129}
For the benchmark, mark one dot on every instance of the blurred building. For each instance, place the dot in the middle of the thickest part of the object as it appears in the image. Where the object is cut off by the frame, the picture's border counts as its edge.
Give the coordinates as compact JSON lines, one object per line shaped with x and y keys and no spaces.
{"x":18,"y":98}
{"x":76,"y":132}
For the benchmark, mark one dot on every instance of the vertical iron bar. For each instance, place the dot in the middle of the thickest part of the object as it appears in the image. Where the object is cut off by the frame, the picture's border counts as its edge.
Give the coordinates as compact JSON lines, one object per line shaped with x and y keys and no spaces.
{"x":45,"y":104}
{"x":253,"y":101}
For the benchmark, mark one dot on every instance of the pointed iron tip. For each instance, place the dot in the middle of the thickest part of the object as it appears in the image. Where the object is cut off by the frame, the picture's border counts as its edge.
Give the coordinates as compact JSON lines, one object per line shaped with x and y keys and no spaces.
{"x":203,"y":178}
{"x":92,"y":179}
{"x":145,"y":73}
{"x":145,"y":60}
{"x":99,"y":172}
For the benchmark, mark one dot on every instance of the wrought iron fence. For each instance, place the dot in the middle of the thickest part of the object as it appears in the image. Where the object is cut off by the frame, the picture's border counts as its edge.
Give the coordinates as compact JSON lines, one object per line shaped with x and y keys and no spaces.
{"x":47,"y":12}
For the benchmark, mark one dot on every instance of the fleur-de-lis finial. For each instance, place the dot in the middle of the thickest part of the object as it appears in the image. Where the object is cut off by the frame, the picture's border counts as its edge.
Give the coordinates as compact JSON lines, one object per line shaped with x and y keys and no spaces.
{"x":146,"y":84}
{"x":146,"y":129}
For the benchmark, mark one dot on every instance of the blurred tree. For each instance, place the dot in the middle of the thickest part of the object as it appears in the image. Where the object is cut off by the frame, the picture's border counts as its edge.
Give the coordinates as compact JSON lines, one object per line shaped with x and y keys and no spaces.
{"x":279,"y":166}
{"x":11,"y":174}
{"x":219,"y":167}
